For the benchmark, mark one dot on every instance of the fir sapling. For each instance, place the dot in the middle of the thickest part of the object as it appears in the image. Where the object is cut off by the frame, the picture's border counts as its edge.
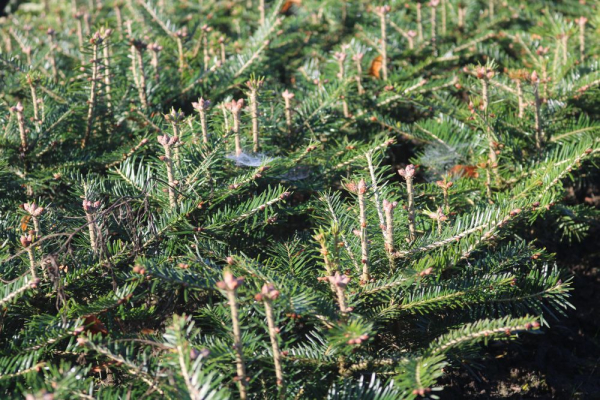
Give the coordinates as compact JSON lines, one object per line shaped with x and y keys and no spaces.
{"x":267,"y":295}
{"x":168,"y":143}
{"x":445,"y":184}
{"x":254,"y":85}
{"x":340,"y":56}
{"x":96,"y":40}
{"x":419,"y":21}
{"x":202,"y":106}
{"x":460,"y":15}
{"x":222,"y":49}
{"x":464,"y":251}
{"x":106,"y":33}
{"x":360,"y":189}
{"x":357,"y":58}
{"x":375,"y":188}
{"x":230,"y":285}
{"x":175,"y":118}
{"x":433,"y":4}
{"x":235,"y":107}
{"x":26,"y":242}
{"x":180,"y":36}
{"x":140,"y":48}
{"x":35,"y":212}
{"x":518,"y":77}
{"x":539,"y":137}
{"x":484,"y":75}
{"x":155,"y":50}
{"x":382,"y":12}
{"x":86,"y":22}
{"x":118,"y":5}
{"x":261,"y":9}
{"x":79,"y":17}
{"x":410,"y":36}
{"x":52,"y":45}
{"x":18,"y":110}
{"x":287,"y":98}
{"x":339,"y":282}
{"x":90,"y":208}
{"x":444,"y":16}
{"x":330,"y":266}
{"x":581,"y":21}
{"x":205,"y":32}
{"x":388,"y":208}
{"x":564,"y":40}
{"x":408,"y":174}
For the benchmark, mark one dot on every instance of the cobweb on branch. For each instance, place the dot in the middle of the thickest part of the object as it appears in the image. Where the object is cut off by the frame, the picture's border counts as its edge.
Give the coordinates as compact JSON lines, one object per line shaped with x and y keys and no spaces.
{"x":250,"y":160}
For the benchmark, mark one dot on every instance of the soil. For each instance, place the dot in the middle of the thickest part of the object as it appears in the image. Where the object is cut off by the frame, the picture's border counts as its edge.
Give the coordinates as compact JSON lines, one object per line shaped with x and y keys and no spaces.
{"x":561,"y":363}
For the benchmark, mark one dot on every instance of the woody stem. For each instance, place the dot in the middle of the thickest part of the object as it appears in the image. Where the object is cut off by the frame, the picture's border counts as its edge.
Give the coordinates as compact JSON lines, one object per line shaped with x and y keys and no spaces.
{"x":236,"y":133}
{"x":170,"y":178}
{"x":92,"y":230}
{"x":364,"y":245}
{"x":274,"y":343}
{"x":237,"y":343}
{"x":383,"y":47}
{"x":361,"y":90}
{"x":254,"y":115}
{"x":106,"y":52}
{"x":142,"y":80}
{"x":520,"y":99}
{"x":31,"y":261}
{"x":92,"y":101}
{"x":204,"y":125}
{"x":411,"y":208}
{"x":538,"y":124}
{"x":419,"y":22}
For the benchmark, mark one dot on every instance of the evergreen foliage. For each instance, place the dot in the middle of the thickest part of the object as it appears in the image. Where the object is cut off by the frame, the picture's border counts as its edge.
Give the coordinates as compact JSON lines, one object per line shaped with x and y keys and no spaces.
{"x":218,"y":199}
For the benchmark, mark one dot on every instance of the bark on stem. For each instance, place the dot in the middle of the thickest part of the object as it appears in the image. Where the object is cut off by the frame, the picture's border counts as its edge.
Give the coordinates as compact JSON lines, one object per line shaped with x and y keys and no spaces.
{"x":364,"y":244}
{"x":107,"y":80}
{"x":419,"y":22}
{"x":92,"y":230}
{"x":358,"y":58}
{"x":31,"y":261}
{"x":237,"y":343}
{"x":383,"y":46}
{"x":92,"y":100}
{"x":539,"y":139}
{"x":274,"y":343}
{"x":142,"y":77}
{"x":520,"y":99}
{"x":254,"y":116}
{"x":170,"y":177}
{"x":411,"y":209}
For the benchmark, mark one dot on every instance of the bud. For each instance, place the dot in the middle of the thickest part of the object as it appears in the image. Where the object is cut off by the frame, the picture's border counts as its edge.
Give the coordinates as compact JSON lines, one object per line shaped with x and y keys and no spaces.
{"x":534,"y":77}
{"x":407,"y":172}
{"x":201,"y":105}
{"x":91,"y":207}
{"x":389,"y":206}
{"x":26,"y":240}
{"x":229,"y":282}
{"x":287,"y":94}
{"x":362,"y":187}
{"x":338,"y":280}
{"x":33,"y":209}
{"x":268,"y":292}
{"x":235,"y":106}
{"x":340,"y":56}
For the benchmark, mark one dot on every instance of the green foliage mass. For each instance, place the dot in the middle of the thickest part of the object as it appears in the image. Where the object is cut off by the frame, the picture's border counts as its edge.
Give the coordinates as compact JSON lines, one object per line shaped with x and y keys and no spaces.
{"x":359,"y":282}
